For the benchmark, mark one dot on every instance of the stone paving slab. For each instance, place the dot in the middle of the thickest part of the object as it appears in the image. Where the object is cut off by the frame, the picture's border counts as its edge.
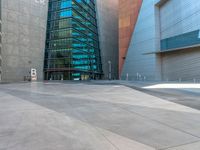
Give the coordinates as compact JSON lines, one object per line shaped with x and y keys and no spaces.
{"x":192,"y":146}
{"x":41,"y":128}
{"x":51,"y":116}
{"x":123,"y":143}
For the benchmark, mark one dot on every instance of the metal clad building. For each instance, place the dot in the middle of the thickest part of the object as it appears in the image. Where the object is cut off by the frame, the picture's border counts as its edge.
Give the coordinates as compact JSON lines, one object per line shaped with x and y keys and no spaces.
{"x":165,"y":42}
{"x":128,"y":14}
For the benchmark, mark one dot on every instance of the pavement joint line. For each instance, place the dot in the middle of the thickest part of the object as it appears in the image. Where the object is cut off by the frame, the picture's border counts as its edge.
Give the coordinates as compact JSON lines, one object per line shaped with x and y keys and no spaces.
{"x":167,"y":126}
{"x":86,"y":125}
{"x":179,"y":145}
{"x":129,"y":138}
{"x":133,"y":112}
{"x":96,"y":128}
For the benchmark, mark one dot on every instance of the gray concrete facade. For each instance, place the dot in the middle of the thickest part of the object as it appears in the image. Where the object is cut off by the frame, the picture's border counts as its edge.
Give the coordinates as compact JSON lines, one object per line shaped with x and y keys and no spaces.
{"x":159,"y":20}
{"x":23,"y":38}
{"x":107,"y":17}
{"x":0,"y":42}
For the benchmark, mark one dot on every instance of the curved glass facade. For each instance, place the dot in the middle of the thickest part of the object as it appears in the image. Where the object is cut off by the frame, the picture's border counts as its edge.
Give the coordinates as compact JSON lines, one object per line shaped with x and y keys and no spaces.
{"x":72,"y":44}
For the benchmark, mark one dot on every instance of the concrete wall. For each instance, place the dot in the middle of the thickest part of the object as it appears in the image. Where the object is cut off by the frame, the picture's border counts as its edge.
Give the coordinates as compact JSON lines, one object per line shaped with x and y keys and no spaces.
{"x":24,"y":31}
{"x":107,"y":15}
{"x":0,"y":42}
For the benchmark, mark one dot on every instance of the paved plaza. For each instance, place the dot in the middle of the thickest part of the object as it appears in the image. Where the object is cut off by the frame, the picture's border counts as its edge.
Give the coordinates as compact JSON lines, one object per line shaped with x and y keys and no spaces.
{"x":93,"y":116}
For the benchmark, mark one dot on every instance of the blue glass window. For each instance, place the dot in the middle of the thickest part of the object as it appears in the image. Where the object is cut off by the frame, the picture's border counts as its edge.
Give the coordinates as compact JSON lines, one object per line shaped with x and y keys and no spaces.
{"x":65,"y":4}
{"x":66,"y":13}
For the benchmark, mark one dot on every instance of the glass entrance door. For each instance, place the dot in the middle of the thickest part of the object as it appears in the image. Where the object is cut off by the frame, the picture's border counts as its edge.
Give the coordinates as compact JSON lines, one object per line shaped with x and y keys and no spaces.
{"x":57,"y":76}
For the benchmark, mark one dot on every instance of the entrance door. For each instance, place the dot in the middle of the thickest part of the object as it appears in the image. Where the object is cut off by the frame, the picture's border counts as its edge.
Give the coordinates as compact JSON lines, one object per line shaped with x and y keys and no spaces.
{"x":57,"y":76}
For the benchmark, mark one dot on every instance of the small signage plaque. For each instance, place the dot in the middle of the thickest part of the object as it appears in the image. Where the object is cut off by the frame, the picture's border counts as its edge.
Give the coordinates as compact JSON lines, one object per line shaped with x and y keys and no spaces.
{"x":33,"y":74}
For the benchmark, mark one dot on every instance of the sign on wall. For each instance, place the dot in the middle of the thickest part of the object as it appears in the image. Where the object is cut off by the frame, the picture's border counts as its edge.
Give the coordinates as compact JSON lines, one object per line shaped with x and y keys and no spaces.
{"x":33,"y":74}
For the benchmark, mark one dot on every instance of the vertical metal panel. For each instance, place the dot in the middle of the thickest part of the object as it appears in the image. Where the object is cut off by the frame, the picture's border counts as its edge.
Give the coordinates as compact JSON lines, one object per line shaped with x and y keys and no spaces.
{"x":180,"y":26}
{"x":179,"y":17}
{"x":128,"y":14}
{"x":181,"y":65}
{"x":143,"y":41}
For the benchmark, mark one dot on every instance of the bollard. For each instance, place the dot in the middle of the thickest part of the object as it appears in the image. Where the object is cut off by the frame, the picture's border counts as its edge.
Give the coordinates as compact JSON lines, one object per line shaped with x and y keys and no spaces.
{"x":127,"y":76}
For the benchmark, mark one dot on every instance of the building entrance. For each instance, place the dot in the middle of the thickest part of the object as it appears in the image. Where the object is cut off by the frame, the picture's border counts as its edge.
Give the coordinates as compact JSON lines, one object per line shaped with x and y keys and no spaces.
{"x":57,"y":76}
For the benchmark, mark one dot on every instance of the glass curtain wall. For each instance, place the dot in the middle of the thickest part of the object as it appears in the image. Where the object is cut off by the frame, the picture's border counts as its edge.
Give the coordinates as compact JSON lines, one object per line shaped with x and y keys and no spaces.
{"x":72,"y":46}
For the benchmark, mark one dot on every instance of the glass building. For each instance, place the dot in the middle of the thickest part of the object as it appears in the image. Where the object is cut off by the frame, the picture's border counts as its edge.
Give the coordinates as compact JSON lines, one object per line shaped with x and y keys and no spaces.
{"x":72,"y":46}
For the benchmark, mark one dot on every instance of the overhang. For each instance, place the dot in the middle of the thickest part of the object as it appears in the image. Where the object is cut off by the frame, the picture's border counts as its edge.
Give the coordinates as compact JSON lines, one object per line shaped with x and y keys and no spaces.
{"x":172,"y":50}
